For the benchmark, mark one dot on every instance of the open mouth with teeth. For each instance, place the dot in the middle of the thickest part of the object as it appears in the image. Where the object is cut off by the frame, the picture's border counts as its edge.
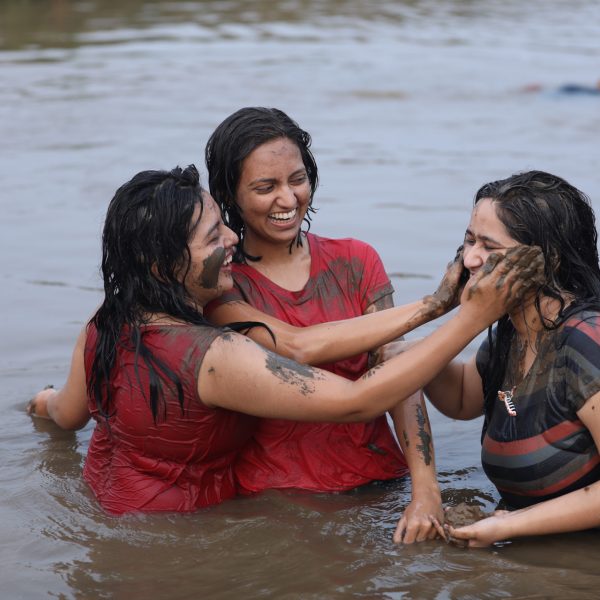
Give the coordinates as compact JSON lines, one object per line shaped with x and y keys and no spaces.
{"x":283,"y":217}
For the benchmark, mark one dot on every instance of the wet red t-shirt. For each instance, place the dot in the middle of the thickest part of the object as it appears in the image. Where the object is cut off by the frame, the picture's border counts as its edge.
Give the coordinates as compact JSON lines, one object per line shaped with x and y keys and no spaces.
{"x":185,"y":460}
{"x":346,"y":276}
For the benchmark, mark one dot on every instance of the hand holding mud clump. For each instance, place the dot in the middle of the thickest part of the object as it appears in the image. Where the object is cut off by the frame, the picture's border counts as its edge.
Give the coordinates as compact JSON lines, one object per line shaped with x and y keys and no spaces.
{"x":447,"y":295}
{"x":459,"y":516}
{"x":504,"y":282}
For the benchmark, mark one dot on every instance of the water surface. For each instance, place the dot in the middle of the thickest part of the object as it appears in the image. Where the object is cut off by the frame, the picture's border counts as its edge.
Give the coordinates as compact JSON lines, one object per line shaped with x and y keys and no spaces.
{"x":412,"y":106}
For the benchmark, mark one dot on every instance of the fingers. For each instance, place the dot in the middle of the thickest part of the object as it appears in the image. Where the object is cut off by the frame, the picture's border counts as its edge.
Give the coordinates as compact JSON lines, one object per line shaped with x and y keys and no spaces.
{"x":513,"y":274}
{"x":439,"y":529}
{"x":418,"y":531}
{"x":31,"y":407}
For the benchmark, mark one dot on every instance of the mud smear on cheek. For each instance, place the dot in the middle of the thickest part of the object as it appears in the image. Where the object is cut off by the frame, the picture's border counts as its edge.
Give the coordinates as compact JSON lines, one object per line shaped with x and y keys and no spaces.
{"x":212,"y":267}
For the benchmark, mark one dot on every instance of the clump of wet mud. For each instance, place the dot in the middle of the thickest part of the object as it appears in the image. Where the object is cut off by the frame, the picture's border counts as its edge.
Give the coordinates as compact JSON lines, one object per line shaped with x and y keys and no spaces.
{"x":460,"y":515}
{"x":463,"y":514}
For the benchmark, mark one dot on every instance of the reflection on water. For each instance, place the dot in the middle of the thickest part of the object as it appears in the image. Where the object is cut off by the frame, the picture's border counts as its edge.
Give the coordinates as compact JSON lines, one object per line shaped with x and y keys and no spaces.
{"x":412,"y":106}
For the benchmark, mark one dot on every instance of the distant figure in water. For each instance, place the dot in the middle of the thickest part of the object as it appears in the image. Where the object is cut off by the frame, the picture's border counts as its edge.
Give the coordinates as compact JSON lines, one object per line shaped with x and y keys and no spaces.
{"x":567,"y":89}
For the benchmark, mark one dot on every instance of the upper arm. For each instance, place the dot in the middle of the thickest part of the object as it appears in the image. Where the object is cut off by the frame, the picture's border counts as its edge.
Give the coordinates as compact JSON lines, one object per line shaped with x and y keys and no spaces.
{"x":239,"y":375}
{"x":457,"y":391}
{"x":589,"y":414}
{"x":472,"y":391}
{"x":68,"y":408}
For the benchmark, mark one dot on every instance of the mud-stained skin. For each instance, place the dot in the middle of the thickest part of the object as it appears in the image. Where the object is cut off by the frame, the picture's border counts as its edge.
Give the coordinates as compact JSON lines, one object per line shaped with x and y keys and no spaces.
{"x":515,"y":366}
{"x":405,"y":436}
{"x":425,"y":447}
{"x":212,"y":267}
{"x":387,"y":301}
{"x":520,"y":271}
{"x":371,"y":372}
{"x":447,"y":295}
{"x":291,"y":372}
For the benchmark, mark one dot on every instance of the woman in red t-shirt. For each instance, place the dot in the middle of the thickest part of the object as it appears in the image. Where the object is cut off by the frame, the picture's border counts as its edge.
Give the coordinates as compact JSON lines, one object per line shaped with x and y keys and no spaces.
{"x":263,"y":175}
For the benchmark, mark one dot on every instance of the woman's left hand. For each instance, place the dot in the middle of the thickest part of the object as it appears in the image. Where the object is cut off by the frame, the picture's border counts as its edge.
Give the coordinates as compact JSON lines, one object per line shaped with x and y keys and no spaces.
{"x":420,"y":521}
{"x":38,"y":405}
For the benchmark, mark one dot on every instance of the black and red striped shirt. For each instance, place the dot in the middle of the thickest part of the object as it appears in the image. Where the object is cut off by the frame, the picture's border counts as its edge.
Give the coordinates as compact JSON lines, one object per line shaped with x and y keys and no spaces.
{"x":545,"y":451}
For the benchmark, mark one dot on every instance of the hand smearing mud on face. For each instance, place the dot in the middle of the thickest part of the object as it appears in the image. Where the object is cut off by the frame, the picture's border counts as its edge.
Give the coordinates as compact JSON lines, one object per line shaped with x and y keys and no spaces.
{"x":447,"y":295}
{"x":516,"y":274}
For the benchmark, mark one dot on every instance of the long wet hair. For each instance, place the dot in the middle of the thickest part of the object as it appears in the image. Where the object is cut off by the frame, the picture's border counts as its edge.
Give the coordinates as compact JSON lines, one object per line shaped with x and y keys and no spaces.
{"x":541,"y":209}
{"x":231,"y":143}
{"x":145,"y":257}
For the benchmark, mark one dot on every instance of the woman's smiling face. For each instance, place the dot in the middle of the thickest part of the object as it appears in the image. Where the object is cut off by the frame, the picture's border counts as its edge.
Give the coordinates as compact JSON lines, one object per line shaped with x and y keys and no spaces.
{"x":273,"y":193}
{"x":211,"y":250}
{"x":485,"y":235}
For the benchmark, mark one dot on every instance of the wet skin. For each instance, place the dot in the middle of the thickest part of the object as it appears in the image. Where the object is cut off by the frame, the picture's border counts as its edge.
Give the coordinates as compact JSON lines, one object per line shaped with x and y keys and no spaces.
{"x":272,"y":195}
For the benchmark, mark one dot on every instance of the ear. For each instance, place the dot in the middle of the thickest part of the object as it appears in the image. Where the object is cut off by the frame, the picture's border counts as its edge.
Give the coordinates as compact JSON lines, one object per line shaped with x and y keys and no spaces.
{"x":155,"y":273}
{"x":554,"y":260}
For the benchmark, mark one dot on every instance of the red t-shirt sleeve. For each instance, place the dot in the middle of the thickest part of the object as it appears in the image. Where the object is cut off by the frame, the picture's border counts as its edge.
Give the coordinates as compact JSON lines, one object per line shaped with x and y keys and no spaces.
{"x":374,"y":283}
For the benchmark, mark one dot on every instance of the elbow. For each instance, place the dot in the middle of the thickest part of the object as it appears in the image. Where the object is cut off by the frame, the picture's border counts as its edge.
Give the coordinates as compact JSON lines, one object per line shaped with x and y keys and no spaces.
{"x":71,"y":423}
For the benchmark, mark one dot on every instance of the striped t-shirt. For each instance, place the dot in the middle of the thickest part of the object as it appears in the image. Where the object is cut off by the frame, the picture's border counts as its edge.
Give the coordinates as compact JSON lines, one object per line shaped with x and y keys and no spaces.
{"x":545,"y":450}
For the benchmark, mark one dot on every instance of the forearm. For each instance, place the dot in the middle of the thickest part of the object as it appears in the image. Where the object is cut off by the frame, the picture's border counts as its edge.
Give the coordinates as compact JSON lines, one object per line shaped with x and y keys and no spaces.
{"x":404,"y":374}
{"x":413,"y":430}
{"x":68,"y":406}
{"x":328,"y":342}
{"x":575,"y":511}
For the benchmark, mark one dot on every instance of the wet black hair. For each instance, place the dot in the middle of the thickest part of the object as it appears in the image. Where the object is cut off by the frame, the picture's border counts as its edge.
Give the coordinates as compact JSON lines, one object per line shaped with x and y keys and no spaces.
{"x":541,"y":209}
{"x":145,"y":257}
{"x":230,"y":144}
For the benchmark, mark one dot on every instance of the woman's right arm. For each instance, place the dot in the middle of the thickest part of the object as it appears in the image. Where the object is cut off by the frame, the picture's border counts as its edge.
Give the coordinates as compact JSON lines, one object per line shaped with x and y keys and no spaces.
{"x":67,"y":407}
{"x":337,"y":340}
{"x":239,"y":375}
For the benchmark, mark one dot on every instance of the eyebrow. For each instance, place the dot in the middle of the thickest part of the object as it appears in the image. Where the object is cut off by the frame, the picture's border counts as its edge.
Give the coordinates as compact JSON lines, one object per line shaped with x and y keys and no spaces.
{"x":302,"y":170}
{"x":485,"y":238}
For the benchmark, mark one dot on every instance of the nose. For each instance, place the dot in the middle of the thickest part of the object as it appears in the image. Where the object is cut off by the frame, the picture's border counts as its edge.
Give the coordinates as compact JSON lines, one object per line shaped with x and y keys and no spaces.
{"x":230,"y":236}
{"x":473,"y":257}
{"x":287,"y":197}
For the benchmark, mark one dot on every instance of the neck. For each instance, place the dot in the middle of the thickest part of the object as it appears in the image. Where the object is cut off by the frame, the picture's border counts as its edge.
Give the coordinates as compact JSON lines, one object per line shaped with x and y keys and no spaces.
{"x":272,"y":253}
{"x":288,"y":269}
{"x":527,"y":320}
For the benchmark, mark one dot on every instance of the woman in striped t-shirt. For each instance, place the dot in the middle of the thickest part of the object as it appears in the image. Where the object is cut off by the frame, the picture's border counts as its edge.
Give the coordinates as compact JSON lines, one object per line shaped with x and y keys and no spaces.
{"x":536,"y":379}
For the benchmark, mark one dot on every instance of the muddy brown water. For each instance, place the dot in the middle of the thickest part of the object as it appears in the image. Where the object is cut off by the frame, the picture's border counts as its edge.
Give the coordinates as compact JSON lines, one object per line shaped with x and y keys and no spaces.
{"x":412,"y":106}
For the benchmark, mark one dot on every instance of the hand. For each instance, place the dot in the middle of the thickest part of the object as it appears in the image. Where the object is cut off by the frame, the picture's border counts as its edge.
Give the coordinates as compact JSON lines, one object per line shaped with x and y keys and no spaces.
{"x":421,"y":521}
{"x":482,"y":533}
{"x":503,"y":282}
{"x":448,"y":293}
{"x":38,"y":405}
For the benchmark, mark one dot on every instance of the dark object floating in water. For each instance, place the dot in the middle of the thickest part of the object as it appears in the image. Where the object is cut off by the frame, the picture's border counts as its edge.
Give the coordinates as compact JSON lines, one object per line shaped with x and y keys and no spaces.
{"x":570,"y":89}
{"x":575,"y":88}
